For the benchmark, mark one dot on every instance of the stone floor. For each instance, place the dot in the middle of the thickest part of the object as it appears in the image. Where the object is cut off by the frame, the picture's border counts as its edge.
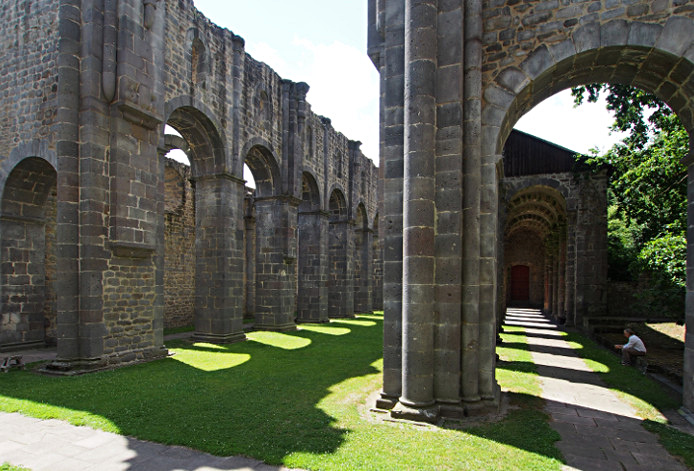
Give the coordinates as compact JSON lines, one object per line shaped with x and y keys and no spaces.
{"x":598,"y":430}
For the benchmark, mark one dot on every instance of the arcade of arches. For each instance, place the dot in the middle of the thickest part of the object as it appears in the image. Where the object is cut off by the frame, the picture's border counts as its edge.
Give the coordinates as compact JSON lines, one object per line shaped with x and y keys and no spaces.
{"x":87,"y":193}
{"x":105,"y":241}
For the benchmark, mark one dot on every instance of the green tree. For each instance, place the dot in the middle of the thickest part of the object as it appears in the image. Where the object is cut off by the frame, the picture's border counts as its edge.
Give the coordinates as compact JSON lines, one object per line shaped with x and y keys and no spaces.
{"x":647,"y":220}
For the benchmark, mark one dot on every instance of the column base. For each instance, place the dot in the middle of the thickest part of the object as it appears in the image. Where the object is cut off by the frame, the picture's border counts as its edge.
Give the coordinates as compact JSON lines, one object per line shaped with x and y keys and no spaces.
{"x":288,"y":327}
{"x":428,"y":414}
{"x":80,"y":366}
{"x":312,"y":321}
{"x":386,"y":401}
{"x":73,"y":367}
{"x":221,"y":339}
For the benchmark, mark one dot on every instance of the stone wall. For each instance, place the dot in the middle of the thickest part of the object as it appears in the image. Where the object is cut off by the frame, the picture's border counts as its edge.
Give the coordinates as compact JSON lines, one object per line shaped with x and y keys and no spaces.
{"x":179,"y":262}
{"x":28,"y":83}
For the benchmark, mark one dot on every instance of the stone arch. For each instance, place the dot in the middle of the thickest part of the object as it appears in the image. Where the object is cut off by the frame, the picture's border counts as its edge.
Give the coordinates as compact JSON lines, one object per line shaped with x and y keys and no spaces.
{"x":264,"y":167}
{"x":337,"y":205}
{"x":27,"y":246}
{"x":310,"y":193}
{"x":534,"y":236}
{"x":647,"y":56}
{"x":203,"y":136}
{"x":37,"y":148}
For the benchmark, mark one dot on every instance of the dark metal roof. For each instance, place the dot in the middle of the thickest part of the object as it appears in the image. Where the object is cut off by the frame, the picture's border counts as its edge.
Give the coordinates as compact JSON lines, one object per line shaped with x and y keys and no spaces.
{"x":525,"y":154}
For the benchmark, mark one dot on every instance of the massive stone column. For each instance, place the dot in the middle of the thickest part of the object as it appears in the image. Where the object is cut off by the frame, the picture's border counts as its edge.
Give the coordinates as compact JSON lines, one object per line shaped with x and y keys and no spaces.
{"x":388,"y":48}
{"x":418,"y":205}
{"x":275,"y":291}
{"x":312,"y":303}
{"x":340,"y":273}
{"x":249,"y":260}
{"x":363,"y":261}
{"x":219,"y":263}
{"x":688,"y":369}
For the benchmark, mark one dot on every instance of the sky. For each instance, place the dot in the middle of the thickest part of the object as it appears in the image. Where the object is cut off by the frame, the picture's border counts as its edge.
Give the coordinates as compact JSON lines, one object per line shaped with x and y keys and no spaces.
{"x":323,"y":43}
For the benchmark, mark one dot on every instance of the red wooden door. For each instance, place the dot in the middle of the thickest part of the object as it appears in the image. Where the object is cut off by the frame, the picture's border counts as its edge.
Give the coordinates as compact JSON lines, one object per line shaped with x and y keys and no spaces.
{"x":520,"y":283}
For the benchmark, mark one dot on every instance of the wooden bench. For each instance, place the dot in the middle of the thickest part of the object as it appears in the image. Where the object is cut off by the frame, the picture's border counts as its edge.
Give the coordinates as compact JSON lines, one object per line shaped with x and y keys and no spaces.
{"x":13,"y":361}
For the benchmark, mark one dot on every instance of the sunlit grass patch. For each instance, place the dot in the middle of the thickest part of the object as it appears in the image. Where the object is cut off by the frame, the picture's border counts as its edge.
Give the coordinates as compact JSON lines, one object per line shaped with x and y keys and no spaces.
{"x":279,"y":340}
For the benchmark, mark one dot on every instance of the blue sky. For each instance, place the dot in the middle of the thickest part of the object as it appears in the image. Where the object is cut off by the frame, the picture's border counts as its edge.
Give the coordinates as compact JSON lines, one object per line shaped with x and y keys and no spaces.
{"x":323,"y":43}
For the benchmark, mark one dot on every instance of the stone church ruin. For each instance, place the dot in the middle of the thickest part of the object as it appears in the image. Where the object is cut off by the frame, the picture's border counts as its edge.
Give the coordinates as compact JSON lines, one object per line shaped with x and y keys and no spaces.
{"x":456,"y":76}
{"x":105,"y":241}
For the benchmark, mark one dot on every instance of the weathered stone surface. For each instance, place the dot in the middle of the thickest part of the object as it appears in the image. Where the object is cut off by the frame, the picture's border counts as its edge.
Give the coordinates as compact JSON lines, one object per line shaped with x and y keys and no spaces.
{"x":105,"y":241}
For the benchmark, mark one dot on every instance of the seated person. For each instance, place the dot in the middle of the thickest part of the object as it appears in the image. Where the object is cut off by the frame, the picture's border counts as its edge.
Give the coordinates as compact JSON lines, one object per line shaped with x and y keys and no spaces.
{"x":632,"y":349}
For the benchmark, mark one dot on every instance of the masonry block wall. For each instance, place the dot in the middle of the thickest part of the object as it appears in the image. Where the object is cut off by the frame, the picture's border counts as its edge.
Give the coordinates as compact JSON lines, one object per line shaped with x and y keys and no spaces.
{"x":179,"y":260}
{"x":470,"y":69}
{"x":104,"y":241}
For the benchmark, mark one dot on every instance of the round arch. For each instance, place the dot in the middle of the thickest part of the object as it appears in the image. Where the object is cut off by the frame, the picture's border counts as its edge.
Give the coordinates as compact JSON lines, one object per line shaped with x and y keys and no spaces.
{"x":337,"y":204}
{"x":264,"y":167}
{"x":310,"y":193}
{"x":205,"y":141}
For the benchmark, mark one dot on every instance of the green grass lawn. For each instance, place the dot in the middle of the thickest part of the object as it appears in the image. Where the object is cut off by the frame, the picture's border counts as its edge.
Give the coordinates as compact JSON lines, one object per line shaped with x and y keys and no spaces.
{"x":9,"y":467}
{"x":300,"y":399}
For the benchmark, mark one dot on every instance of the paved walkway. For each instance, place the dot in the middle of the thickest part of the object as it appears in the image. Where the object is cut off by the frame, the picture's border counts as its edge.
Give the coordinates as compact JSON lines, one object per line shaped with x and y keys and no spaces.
{"x":53,"y":445}
{"x":598,"y":430}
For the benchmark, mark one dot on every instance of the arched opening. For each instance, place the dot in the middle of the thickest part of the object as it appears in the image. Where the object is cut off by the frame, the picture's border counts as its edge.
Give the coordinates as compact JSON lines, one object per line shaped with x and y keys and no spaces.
{"x":312,"y":286}
{"x":534,"y":248}
{"x":202,"y":265}
{"x":274,"y":252}
{"x":179,"y":233}
{"x":645,"y":67}
{"x":340,"y":253}
{"x":27,"y":248}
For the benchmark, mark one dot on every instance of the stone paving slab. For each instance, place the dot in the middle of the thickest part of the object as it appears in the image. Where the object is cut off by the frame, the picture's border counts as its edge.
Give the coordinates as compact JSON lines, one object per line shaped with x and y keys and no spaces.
{"x":53,"y":445}
{"x":598,"y":430}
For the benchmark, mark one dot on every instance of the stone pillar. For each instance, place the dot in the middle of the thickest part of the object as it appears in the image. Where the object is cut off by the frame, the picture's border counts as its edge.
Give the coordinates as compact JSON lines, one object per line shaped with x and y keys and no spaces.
{"x":556,"y":312}
{"x":591,"y":249}
{"x":249,"y":241}
{"x":340,"y":277}
{"x":688,"y":368}
{"x":419,"y":205}
{"x":570,"y":267}
{"x":392,"y":70}
{"x":363,"y":260}
{"x":275,"y":289}
{"x":312,"y":303}
{"x":561,"y":281}
{"x":219,"y":263}
{"x":377,"y":276}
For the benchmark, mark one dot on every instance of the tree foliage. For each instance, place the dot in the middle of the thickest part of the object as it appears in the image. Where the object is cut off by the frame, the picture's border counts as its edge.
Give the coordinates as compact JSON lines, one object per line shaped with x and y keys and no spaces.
{"x":647,"y":219}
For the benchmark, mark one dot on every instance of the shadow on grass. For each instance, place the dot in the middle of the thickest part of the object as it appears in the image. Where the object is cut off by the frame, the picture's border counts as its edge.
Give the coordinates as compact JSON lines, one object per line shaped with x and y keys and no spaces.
{"x":267,"y":406}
